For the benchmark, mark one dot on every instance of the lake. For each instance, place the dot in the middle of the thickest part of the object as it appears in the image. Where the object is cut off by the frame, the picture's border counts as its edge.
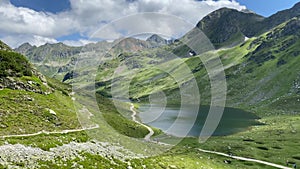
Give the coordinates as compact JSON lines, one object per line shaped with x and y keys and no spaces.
{"x":233,"y":120}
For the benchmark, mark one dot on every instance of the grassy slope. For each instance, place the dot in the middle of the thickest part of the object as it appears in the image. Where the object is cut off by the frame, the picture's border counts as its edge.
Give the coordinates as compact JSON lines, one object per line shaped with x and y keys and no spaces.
{"x":20,"y":115}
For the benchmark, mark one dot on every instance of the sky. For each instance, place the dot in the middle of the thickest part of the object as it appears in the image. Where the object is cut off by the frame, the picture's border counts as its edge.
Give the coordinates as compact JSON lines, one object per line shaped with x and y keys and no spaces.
{"x":76,"y":22}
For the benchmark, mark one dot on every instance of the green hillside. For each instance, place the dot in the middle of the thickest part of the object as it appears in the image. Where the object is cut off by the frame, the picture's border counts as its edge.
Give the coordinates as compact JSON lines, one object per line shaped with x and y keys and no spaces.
{"x":28,"y":103}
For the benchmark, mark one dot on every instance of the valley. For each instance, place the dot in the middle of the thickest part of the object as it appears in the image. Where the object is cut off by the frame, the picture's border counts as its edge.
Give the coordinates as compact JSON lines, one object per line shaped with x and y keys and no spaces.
{"x":226,"y":94}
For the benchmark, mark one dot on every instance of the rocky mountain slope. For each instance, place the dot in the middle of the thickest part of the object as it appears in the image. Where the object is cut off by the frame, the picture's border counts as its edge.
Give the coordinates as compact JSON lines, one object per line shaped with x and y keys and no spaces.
{"x":228,"y":27}
{"x":156,"y":41}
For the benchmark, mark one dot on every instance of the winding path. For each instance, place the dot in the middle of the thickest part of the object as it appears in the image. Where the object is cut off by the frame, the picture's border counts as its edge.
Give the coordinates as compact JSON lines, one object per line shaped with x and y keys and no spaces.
{"x":50,"y":132}
{"x":245,"y":159}
{"x":133,"y":116}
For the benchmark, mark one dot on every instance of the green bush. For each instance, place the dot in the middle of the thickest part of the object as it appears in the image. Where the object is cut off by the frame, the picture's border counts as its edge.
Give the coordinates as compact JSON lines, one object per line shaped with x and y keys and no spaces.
{"x":14,"y":64}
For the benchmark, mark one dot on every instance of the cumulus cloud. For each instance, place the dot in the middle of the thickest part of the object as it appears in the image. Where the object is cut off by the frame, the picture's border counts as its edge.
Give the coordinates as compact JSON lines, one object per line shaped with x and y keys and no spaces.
{"x":79,"y":42}
{"x":86,"y":17}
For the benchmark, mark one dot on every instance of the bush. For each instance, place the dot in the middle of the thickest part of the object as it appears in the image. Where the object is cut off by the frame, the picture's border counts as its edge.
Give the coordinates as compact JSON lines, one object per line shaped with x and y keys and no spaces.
{"x":14,"y":64}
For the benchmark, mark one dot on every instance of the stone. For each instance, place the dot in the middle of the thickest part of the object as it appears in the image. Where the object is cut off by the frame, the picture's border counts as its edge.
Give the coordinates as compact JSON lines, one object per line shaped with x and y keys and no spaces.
{"x":172,"y":166}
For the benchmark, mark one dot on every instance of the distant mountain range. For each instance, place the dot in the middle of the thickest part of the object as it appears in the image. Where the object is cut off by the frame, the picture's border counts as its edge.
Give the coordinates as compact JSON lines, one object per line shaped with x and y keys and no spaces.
{"x":56,"y":60}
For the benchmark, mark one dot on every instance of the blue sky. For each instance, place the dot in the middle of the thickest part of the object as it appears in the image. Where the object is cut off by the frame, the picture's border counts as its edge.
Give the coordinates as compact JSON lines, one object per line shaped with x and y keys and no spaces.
{"x":74,"y":21}
{"x":267,"y":7}
{"x":53,"y":6}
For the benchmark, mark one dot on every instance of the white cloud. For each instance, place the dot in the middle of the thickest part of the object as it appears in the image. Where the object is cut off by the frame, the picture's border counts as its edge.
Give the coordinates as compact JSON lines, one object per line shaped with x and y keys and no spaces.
{"x":17,"y":40}
{"x":79,"y":42}
{"x":86,"y":17}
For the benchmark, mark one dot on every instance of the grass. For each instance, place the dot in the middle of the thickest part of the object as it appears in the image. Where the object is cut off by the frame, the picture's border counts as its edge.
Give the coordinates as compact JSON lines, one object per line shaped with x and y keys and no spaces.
{"x":276,"y":142}
{"x":89,"y":161}
{"x":120,"y":123}
{"x":45,"y":141}
{"x":27,"y":112}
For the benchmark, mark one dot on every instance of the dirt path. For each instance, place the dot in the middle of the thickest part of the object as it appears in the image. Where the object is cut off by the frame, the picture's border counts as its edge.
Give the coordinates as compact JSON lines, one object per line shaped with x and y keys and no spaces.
{"x":50,"y":132}
{"x":246,"y":159}
{"x":133,"y":116}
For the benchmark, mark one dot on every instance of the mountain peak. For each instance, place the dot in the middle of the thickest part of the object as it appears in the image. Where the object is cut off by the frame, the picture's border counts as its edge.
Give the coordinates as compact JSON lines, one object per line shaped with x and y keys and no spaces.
{"x":297,"y":5}
{"x":157,"y":39}
{"x":227,"y":27}
{"x":25,"y":45}
{"x":283,"y":16}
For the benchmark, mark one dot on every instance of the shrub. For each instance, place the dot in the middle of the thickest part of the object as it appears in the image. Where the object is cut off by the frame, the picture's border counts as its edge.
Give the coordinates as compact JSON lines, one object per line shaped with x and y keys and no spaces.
{"x":14,"y":64}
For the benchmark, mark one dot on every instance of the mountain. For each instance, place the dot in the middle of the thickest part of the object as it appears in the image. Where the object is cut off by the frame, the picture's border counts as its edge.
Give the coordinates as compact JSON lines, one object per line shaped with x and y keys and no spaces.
{"x":253,"y":69}
{"x":58,"y":60}
{"x":157,"y":41}
{"x":228,"y":27}
{"x":282,"y":16}
{"x":48,"y":52}
{"x":50,"y":59}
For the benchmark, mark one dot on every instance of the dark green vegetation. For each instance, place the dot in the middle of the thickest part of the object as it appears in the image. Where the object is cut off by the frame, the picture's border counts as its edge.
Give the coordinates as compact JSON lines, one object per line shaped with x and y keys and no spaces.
{"x":14,"y":64}
{"x":4,"y":47}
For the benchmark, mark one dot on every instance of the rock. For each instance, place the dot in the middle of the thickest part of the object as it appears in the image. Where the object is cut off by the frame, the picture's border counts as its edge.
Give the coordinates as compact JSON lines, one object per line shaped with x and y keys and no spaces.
{"x":3,"y":126}
{"x":51,"y":112}
{"x":29,"y":98}
{"x":172,"y":166}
